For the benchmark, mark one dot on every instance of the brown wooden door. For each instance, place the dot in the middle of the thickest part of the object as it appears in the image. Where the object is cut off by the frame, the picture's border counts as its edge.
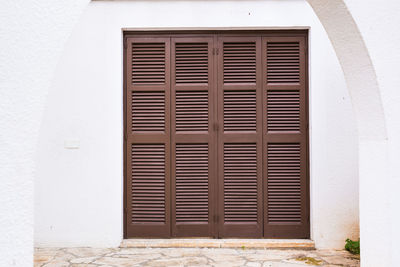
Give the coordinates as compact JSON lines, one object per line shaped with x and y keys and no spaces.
{"x":193,"y":154}
{"x":216,"y":135}
{"x":239,"y":137}
{"x":147,"y":137}
{"x":285,"y":137}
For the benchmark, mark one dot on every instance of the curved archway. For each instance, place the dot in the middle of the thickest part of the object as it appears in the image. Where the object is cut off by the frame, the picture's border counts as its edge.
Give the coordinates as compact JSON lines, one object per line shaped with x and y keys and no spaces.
{"x":364,"y":90}
{"x":357,"y":66}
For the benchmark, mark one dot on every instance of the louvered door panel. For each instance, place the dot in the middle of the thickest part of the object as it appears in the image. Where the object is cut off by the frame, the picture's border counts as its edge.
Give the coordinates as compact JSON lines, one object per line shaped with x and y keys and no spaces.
{"x":239,"y":62}
{"x":193,"y":137}
{"x":191,"y":65}
{"x":148,"y":183}
{"x":240,"y":111}
{"x":148,"y":111}
{"x":286,"y":214}
{"x":240,"y":137}
{"x":283,"y":111}
{"x":240,"y":183}
{"x":284,"y":183}
{"x":192,"y":183}
{"x":147,"y":127}
{"x":191,"y":111}
{"x":283,"y":62}
{"x":148,"y":63}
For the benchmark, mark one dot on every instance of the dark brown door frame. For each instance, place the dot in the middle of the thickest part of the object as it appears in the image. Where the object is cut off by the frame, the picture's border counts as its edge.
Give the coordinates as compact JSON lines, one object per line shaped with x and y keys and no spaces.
{"x":214,"y":34}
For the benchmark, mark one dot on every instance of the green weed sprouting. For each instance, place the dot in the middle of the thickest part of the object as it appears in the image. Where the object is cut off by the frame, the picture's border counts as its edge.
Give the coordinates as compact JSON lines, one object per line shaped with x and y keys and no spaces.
{"x":352,"y":246}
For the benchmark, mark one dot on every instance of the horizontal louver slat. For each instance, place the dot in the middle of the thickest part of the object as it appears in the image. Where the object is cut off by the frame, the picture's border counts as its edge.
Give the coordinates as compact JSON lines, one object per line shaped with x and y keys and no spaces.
{"x":283,"y":62}
{"x":191,"y":63}
{"x":240,"y":183}
{"x":148,"y":183}
{"x":191,"y":111}
{"x":240,"y":111}
{"x":283,"y":111}
{"x":284,"y":184}
{"x":148,"y":63}
{"x":239,"y":62}
{"x":191,"y":183}
{"x":148,"y":111}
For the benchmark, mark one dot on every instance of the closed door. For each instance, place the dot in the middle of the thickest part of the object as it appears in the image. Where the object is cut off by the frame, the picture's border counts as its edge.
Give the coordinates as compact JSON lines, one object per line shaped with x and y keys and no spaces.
{"x":216,"y":135}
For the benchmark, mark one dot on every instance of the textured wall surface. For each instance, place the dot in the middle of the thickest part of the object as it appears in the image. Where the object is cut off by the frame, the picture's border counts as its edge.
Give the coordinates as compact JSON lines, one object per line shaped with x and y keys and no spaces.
{"x":366,"y":38}
{"x":33,"y":34}
{"x":380,"y":198}
{"x":85,"y":104}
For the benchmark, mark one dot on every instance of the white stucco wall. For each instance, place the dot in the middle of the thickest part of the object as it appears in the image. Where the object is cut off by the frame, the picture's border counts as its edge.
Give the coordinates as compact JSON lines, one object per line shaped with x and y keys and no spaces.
{"x":32,"y":35}
{"x":78,"y":197}
{"x":380,"y":198}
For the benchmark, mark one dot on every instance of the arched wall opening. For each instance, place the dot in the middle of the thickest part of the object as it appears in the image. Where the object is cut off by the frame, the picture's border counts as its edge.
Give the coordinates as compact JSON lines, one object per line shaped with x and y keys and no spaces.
{"x":362,"y":84}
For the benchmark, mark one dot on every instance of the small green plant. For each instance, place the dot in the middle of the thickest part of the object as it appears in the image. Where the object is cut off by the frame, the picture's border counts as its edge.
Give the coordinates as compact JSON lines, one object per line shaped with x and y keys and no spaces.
{"x":352,"y":246}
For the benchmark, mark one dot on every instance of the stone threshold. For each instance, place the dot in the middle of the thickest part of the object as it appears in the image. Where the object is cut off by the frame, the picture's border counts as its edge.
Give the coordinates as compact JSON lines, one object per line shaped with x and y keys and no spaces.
{"x":219,"y":243}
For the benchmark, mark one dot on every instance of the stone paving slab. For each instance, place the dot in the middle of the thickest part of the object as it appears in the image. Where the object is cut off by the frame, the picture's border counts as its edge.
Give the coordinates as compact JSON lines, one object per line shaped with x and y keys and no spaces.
{"x":224,"y":257}
{"x":218,"y":243}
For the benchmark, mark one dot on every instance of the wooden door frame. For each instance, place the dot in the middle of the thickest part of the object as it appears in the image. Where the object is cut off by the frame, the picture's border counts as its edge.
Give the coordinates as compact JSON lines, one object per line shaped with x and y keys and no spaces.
{"x":170,"y":33}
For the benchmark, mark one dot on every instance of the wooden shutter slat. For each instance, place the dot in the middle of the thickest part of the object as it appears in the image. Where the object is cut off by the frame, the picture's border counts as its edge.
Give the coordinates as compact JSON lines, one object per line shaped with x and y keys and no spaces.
{"x":239,"y":62}
{"x":191,"y":111}
{"x":191,"y":63}
{"x":278,"y":55}
{"x":188,"y":165}
{"x":238,"y":192}
{"x":287,"y":173}
{"x":283,"y":111}
{"x":148,"y":63}
{"x":145,"y":158}
{"x":148,"y":111}
{"x":240,"y":111}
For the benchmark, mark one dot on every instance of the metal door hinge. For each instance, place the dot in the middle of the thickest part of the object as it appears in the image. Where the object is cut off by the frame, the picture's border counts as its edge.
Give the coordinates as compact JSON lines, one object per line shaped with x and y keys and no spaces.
{"x":216,"y":126}
{"x":215,"y":51}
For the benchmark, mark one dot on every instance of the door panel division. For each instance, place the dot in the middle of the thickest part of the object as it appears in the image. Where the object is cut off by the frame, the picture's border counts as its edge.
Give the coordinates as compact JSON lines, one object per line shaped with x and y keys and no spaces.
{"x":216,"y":134}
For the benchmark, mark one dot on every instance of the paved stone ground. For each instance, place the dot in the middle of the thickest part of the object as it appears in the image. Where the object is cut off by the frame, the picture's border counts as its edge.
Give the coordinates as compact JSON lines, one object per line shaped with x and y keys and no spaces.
{"x":108,"y":257}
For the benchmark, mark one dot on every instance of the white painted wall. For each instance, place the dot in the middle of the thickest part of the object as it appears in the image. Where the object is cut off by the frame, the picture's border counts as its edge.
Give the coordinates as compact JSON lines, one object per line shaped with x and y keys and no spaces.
{"x":78,"y":197}
{"x":379,"y":187}
{"x":32,"y":35}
